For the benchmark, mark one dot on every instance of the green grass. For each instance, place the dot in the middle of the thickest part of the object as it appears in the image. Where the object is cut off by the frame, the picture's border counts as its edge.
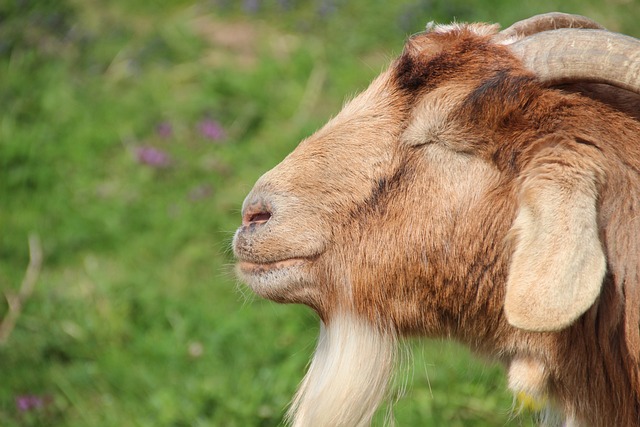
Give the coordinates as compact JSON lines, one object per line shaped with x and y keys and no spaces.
{"x":136,"y":318}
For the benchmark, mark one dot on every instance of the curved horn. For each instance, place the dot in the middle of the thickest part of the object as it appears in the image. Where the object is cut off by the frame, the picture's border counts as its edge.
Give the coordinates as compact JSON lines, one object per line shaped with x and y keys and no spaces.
{"x":570,"y":55}
{"x":545,"y":22}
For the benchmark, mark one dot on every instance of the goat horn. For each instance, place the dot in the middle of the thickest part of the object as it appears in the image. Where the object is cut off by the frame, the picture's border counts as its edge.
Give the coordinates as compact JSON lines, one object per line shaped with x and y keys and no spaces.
{"x":545,"y":22}
{"x":570,"y":55}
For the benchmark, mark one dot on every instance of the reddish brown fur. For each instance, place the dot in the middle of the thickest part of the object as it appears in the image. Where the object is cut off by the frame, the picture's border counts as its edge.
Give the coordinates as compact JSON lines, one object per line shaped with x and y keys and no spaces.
{"x":594,"y":363}
{"x":450,"y":280}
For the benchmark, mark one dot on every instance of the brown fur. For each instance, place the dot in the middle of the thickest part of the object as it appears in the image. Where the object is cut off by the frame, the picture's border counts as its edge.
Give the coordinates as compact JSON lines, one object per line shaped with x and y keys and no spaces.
{"x":414,"y":219}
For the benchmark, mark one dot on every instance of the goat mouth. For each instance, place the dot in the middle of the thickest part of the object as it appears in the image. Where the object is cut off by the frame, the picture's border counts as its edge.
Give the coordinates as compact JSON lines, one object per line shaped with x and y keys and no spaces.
{"x":254,"y":268}
{"x":287,"y":280}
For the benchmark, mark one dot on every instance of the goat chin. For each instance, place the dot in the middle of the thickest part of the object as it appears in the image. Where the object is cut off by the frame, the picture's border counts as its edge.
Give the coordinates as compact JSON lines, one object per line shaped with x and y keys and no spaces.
{"x":348,"y":376}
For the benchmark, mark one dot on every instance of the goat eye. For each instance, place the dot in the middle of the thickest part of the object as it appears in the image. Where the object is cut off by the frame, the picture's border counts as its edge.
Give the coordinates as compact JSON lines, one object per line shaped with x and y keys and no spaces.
{"x":457,"y":146}
{"x":415,"y":139}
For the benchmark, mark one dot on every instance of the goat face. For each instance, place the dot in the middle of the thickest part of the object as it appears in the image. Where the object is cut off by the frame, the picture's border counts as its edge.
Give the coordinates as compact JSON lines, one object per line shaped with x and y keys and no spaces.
{"x":380,"y":210}
{"x":407,"y":196}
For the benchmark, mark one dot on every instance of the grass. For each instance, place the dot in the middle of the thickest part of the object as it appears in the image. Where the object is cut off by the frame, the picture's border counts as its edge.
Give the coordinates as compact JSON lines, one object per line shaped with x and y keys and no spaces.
{"x":130,"y":133}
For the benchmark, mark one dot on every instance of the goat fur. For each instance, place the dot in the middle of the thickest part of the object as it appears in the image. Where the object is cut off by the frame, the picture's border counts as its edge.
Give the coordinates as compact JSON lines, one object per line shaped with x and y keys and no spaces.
{"x":453,"y":191}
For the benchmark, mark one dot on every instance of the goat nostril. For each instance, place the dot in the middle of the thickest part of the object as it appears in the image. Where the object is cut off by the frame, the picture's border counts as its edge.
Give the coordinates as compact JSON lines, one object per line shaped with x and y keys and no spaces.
{"x":256,"y":218}
{"x":256,"y":212}
{"x":260,"y":218}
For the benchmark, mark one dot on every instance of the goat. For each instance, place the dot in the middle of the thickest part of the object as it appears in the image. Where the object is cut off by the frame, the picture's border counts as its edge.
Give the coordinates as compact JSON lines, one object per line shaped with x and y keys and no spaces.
{"x":486,"y":188}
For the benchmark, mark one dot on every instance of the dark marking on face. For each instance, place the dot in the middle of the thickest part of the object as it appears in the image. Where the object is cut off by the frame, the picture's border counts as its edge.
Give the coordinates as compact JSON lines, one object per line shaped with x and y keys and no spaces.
{"x":502,"y":93}
{"x":385,"y":185}
{"x":431,"y":59}
{"x":417,"y":75}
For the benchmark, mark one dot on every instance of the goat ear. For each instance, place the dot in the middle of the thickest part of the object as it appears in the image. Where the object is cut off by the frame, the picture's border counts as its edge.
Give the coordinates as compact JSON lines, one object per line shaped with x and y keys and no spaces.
{"x":558,"y":264}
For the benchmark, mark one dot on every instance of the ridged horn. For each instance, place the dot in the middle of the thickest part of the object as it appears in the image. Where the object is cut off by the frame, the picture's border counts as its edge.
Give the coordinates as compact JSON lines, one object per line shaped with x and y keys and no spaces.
{"x":572,"y":55}
{"x":545,"y":22}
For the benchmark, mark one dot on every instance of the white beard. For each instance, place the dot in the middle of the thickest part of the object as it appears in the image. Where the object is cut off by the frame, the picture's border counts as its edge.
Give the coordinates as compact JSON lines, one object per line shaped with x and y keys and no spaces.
{"x":348,"y":376}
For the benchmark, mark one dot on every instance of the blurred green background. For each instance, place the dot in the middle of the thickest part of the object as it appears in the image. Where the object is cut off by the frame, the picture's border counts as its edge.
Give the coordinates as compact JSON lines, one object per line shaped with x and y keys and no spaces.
{"x":130,"y":132}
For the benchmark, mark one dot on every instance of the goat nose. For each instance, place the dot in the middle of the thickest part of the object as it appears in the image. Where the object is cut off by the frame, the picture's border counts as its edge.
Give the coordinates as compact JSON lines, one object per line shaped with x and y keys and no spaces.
{"x":256,"y":213}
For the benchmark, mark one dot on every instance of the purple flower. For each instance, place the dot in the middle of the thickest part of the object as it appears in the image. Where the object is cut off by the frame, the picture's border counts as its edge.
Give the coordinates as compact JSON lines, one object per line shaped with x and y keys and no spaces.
{"x":284,"y":4}
{"x":164,"y":130}
{"x":151,"y":156}
{"x":28,"y":402}
{"x":251,"y":6}
{"x":326,"y":8}
{"x":200,"y":192}
{"x":211,"y":129}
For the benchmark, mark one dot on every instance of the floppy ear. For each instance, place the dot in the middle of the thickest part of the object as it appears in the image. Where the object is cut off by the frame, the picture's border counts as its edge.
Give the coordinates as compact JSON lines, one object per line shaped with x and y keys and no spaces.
{"x":558,"y":264}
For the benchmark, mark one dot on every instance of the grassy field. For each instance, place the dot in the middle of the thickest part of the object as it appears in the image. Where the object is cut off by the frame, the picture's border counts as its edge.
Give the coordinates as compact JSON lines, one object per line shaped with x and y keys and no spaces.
{"x":130,"y":133}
